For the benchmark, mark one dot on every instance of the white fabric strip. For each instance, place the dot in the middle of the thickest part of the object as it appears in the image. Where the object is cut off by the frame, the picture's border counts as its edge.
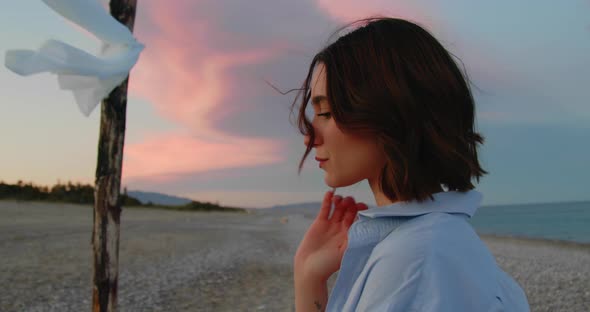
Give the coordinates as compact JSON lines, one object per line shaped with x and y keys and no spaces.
{"x":91,"y":78}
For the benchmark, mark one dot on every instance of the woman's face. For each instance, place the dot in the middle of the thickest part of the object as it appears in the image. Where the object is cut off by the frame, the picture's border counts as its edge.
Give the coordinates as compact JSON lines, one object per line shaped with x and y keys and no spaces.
{"x":346,"y":158}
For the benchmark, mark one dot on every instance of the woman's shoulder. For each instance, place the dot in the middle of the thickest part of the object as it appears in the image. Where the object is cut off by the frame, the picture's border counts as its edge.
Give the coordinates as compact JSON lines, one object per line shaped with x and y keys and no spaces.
{"x":434,"y":237}
{"x":432,"y":229}
{"x":439,"y":257}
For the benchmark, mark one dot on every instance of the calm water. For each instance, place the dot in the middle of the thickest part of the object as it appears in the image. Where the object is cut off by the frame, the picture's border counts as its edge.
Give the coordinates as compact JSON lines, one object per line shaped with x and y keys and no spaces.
{"x":559,"y":221}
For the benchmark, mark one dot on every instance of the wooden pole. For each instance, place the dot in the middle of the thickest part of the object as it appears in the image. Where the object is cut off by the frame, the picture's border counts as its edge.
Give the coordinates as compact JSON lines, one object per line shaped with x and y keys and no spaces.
{"x":107,"y":204}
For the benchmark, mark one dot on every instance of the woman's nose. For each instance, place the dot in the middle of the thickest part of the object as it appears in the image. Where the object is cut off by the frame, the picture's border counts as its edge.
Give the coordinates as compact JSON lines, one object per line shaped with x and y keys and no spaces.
{"x":306,"y":139}
{"x":317,"y":139}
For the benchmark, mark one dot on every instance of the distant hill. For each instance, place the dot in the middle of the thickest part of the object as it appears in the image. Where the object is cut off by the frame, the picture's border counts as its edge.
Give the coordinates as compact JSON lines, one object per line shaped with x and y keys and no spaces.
{"x":158,"y":198}
{"x":307,"y":209}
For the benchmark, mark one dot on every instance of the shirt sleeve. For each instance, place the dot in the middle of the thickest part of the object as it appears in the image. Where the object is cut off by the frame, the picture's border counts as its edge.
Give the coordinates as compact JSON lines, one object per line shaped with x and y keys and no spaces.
{"x":391,"y":287}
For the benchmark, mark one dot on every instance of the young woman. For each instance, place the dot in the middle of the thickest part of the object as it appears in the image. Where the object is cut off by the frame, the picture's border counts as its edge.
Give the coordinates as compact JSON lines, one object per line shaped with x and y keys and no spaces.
{"x":392,"y":107}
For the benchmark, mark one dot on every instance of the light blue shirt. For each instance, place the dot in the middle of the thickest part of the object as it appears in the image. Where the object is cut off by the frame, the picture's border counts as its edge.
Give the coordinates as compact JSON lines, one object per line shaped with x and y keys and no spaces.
{"x":425,"y":256}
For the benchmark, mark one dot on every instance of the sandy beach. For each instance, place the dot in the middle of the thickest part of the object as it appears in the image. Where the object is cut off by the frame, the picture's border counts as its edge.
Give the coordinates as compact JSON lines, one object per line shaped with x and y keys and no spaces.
{"x":189,"y":261}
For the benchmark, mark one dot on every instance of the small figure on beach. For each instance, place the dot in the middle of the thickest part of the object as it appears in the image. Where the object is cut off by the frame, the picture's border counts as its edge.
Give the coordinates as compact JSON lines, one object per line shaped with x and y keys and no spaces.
{"x":391,"y":107}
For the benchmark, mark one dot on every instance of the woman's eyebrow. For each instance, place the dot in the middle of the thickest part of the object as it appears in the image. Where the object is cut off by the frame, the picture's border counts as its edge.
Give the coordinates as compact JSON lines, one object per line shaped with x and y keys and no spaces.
{"x":316,"y":100}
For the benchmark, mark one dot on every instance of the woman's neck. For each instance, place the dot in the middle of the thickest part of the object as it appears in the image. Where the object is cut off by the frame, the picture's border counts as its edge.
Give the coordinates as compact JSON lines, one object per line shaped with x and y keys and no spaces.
{"x":382,"y":200}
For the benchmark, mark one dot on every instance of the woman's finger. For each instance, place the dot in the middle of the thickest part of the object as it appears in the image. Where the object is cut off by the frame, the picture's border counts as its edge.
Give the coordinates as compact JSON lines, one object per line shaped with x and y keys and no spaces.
{"x":337,"y":199}
{"x":349,"y":216}
{"x":361,"y":206}
{"x":326,"y":206}
{"x":341,"y":209}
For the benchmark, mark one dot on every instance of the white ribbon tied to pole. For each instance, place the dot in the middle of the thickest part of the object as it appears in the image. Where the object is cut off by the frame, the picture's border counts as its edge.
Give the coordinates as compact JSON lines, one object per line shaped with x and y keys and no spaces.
{"x":91,"y":78}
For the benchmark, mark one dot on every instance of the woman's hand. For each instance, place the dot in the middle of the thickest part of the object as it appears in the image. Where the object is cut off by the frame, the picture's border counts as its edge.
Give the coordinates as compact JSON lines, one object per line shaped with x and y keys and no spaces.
{"x":321,"y":250}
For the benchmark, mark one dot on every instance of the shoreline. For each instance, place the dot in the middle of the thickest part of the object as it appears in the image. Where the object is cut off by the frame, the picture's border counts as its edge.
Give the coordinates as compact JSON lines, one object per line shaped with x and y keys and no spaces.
{"x":537,"y":241}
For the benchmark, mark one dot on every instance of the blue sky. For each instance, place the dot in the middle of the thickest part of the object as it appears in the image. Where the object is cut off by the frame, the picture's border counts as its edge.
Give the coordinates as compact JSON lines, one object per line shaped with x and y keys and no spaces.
{"x":203,"y":124}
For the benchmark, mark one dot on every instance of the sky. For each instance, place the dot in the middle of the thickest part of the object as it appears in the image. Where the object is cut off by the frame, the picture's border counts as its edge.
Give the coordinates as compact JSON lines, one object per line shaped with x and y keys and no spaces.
{"x":202,"y":123}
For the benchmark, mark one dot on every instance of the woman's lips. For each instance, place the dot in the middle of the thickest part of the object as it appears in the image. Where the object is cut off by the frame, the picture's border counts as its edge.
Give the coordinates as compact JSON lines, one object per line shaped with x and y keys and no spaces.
{"x":321,"y":160}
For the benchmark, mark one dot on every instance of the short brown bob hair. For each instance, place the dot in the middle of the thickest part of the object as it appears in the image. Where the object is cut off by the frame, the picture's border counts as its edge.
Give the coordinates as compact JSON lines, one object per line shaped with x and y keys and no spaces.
{"x":392,"y":79}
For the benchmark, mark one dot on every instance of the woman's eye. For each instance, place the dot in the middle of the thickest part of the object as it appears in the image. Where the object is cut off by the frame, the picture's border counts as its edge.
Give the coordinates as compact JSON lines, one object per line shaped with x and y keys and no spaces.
{"x":326,"y":115}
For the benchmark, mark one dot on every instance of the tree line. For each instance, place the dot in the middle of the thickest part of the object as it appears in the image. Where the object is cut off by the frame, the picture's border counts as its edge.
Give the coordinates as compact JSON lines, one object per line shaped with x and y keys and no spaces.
{"x":78,"y":193}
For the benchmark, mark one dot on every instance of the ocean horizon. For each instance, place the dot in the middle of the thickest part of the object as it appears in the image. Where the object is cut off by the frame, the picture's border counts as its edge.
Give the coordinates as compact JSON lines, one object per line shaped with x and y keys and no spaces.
{"x":565,"y":221}
{"x":558,"y":221}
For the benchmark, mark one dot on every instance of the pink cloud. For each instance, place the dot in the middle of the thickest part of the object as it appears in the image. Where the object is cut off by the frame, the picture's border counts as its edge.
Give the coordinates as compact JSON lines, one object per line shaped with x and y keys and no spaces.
{"x":186,"y":79}
{"x":167,"y":155}
{"x":179,"y":72}
{"x":350,"y":10}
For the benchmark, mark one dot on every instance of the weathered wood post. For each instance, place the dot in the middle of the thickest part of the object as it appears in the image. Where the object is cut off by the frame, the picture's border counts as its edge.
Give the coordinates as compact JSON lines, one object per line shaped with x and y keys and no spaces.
{"x":107,"y":205}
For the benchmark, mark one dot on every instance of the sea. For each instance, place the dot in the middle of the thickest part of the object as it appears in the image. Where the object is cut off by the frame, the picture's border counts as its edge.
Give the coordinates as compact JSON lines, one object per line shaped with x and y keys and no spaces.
{"x":569,"y":221}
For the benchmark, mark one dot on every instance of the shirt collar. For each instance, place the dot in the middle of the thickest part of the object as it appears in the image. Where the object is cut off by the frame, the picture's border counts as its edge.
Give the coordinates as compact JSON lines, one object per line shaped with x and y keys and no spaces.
{"x":448,"y":202}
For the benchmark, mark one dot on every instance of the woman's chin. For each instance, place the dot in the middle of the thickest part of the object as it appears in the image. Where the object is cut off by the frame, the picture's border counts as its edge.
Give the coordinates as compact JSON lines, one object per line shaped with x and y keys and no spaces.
{"x":334,"y":183}
{"x":329,"y":182}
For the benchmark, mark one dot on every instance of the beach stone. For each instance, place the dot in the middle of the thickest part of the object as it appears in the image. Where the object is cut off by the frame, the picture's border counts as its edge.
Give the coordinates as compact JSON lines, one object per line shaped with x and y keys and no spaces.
{"x":188,"y":261}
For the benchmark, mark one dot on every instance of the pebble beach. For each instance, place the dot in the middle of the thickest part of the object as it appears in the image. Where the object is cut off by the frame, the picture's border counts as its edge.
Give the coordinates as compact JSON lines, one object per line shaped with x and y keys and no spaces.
{"x":217,"y":261}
